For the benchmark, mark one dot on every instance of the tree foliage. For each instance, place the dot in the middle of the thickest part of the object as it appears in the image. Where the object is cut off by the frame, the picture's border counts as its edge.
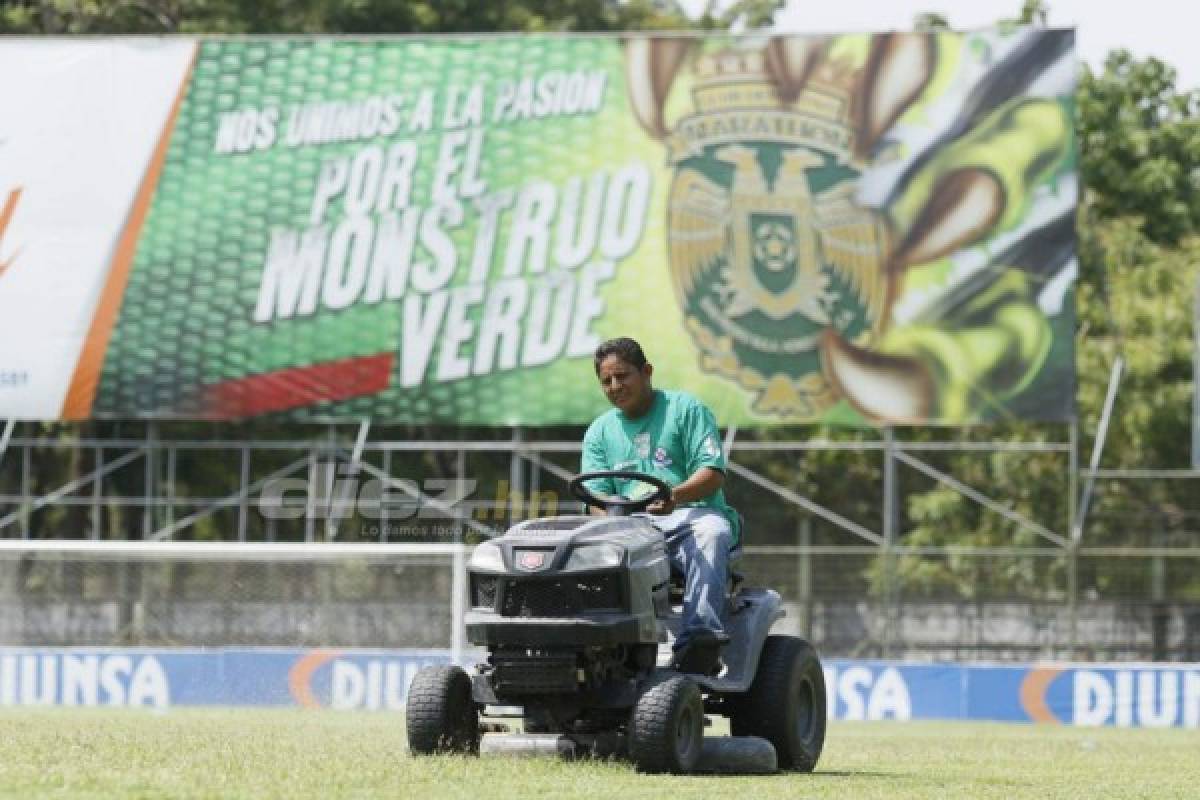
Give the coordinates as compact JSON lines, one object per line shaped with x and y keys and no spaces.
{"x":370,"y":16}
{"x":1140,"y":146}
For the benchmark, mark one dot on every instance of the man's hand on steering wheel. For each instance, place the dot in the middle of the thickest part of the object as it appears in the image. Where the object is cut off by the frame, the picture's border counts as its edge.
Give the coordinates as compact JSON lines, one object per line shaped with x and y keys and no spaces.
{"x":619,"y":506}
{"x":661,"y":507}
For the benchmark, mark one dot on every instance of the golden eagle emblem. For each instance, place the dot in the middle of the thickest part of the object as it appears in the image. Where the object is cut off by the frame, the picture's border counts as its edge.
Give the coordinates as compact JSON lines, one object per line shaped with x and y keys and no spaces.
{"x":767,"y":247}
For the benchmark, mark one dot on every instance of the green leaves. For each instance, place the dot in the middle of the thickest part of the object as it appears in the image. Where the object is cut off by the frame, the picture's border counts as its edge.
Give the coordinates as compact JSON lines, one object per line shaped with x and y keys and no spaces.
{"x":1140,"y":142}
{"x":362,"y":16}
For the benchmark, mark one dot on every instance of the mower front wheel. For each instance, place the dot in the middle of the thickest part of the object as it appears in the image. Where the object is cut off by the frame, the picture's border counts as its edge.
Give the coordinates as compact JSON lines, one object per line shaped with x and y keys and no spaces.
{"x":440,"y":715}
{"x":666,"y":730}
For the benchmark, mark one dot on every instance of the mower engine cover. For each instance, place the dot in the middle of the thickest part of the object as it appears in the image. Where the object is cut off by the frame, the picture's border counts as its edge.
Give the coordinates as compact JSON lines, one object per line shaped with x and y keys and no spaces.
{"x":571,"y":581}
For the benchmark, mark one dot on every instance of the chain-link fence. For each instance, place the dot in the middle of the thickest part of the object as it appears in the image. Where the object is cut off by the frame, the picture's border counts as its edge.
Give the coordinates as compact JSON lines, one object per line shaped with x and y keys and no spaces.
{"x":72,"y":594}
{"x":843,"y":603}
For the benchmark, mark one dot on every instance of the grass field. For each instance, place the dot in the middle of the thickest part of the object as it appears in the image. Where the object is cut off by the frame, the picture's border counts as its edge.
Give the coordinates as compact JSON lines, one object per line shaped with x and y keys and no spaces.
{"x":293,"y":754}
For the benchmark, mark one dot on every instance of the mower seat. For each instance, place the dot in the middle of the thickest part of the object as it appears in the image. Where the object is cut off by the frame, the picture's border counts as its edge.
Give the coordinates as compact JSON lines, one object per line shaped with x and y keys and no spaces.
{"x":735,"y":554}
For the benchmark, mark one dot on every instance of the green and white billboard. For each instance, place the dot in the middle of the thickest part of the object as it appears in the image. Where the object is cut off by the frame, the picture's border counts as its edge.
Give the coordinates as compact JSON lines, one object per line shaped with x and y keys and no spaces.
{"x":858,"y":229}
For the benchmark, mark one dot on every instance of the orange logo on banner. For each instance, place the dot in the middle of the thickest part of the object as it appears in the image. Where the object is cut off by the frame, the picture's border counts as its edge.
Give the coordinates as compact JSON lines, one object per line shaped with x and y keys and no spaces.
{"x":300,"y":677}
{"x":10,"y":206}
{"x":1033,"y":694}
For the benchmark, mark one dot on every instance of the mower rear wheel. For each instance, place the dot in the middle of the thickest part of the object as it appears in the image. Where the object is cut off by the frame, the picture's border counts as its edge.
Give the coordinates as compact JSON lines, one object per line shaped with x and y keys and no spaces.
{"x":786,"y":703}
{"x":666,"y":730}
{"x":441,"y":716}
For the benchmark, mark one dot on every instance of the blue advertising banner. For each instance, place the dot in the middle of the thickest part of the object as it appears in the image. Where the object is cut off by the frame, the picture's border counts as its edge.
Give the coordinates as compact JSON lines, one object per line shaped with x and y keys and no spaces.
{"x":1120,"y":695}
{"x":161,"y":678}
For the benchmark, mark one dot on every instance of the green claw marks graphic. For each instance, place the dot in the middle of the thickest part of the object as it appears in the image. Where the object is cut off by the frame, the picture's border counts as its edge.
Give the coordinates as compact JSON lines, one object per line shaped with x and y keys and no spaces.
{"x":860,"y":229}
{"x":981,"y":184}
{"x":979,"y":356}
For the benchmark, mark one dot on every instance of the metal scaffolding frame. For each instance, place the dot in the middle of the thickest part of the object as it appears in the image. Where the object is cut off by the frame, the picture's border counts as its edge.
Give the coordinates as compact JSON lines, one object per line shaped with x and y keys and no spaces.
{"x":166,"y":516}
{"x":160,"y":494}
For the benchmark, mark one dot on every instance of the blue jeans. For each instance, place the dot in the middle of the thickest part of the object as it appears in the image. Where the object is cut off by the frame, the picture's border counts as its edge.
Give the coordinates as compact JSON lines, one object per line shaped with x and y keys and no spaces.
{"x":702,"y":555}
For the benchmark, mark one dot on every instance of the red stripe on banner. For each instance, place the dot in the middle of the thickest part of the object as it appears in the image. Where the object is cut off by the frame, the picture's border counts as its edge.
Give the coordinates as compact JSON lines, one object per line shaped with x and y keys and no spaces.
{"x":299,"y":386}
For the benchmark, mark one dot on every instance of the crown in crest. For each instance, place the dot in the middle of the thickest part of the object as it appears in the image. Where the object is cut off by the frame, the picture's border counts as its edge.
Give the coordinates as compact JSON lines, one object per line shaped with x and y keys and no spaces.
{"x":742,"y":78}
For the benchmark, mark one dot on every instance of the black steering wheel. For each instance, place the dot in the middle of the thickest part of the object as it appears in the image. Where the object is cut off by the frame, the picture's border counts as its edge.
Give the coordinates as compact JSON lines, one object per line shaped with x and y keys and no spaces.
{"x":618,"y":506}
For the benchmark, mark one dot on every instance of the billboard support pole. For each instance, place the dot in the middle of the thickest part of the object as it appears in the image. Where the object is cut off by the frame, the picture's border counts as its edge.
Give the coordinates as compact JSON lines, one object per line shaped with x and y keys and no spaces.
{"x":150,"y":474}
{"x":890,"y":614}
{"x":1114,"y":379}
{"x":516,"y":478}
{"x":458,"y":604}
{"x":458,"y":586}
{"x":1196,"y":380}
{"x":97,"y":494}
{"x":1072,"y":547}
{"x":244,"y":506}
{"x":338,"y":504}
{"x":310,"y":509}
{"x":6,"y":437}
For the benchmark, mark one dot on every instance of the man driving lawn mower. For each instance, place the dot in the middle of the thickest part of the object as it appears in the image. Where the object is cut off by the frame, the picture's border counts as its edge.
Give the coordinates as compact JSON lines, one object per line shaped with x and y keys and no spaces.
{"x":575,"y":614}
{"x":672,"y":436}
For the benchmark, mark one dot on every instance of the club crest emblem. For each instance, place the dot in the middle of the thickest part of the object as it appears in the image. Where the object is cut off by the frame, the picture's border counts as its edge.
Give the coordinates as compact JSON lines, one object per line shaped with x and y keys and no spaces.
{"x":661,"y":457}
{"x":766,"y":245}
{"x":641,"y":443}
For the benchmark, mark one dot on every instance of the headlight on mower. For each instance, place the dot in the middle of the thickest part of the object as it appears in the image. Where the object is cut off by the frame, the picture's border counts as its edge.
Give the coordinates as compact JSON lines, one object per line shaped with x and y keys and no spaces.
{"x":487,"y":557}
{"x":595,"y":556}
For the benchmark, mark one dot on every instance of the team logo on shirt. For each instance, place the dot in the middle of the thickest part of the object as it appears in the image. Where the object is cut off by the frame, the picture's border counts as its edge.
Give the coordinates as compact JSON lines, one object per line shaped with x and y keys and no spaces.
{"x":661,"y":457}
{"x":641,"y":443}
{"x":711,"y":448}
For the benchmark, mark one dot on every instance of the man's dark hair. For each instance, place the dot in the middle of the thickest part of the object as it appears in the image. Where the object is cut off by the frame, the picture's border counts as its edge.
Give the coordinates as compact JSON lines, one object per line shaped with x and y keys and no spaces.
{"x":623,"y":348}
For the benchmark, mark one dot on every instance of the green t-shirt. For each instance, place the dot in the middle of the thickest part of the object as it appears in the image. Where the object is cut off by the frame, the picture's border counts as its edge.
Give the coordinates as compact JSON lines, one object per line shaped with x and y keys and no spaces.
{"x":676,"y":437}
